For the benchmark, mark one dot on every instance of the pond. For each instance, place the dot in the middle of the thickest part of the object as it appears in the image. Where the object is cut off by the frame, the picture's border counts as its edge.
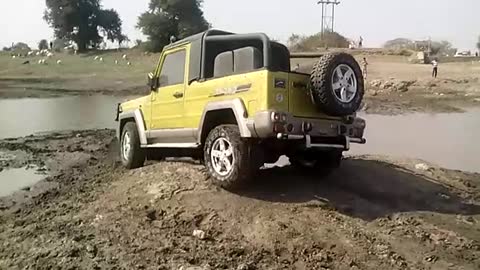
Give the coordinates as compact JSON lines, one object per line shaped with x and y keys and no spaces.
{"x":22,"y":117}
{"x":449,"y":140}
{"x":12,"y":180}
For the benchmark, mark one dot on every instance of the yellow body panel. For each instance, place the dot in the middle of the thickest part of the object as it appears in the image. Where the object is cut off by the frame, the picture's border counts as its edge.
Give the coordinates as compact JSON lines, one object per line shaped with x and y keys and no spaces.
{"x":248,"y":87}
{"x":300,"y":102}
{"x":142,"y":103}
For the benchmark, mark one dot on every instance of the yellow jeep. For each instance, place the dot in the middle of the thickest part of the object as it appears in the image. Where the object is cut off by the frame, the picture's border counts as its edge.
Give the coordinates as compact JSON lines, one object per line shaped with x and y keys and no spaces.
{"x":232,"y":101}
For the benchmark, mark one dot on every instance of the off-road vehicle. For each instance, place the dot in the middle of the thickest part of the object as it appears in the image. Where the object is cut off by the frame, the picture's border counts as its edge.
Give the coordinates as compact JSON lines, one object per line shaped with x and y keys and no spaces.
{"x":232,"y":101}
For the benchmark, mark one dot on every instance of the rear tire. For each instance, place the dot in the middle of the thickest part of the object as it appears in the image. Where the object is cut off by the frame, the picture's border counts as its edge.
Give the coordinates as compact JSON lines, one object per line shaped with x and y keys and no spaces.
{"x":131,"y":154}
{"x":227,"y":157}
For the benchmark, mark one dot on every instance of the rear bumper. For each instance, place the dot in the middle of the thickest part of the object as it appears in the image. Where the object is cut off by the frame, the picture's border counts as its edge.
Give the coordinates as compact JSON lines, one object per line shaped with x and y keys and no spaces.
{"x":328,"y":132}
{"x":342,"y":144}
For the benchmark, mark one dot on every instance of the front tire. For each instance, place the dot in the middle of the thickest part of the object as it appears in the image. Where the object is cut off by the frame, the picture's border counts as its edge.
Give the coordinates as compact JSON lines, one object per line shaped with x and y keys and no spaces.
{"x":227,"y":157}
{"x":132,"y":155}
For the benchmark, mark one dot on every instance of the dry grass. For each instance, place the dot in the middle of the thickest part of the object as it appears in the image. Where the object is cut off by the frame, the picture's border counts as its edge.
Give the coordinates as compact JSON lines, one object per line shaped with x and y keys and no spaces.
{"x":77,"y":72}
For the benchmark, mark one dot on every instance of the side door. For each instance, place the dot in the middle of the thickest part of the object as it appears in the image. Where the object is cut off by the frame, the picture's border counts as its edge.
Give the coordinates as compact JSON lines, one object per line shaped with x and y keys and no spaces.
{"x":167,"y":100}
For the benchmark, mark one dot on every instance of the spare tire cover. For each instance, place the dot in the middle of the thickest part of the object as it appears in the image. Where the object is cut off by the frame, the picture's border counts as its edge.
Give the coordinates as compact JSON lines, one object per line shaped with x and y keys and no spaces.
{"x":337,"y":85}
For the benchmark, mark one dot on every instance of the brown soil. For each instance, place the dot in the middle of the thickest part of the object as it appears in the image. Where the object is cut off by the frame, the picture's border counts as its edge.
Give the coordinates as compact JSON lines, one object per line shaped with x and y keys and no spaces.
{"x":373,"y":213}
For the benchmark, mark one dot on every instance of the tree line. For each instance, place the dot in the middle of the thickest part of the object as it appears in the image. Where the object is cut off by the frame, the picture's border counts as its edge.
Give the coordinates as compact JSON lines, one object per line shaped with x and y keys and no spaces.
{"x":88,"y":25}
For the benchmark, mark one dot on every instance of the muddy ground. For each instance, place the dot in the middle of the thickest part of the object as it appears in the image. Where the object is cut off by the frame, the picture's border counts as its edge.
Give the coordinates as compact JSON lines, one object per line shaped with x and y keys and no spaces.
{"x":373,"y":213}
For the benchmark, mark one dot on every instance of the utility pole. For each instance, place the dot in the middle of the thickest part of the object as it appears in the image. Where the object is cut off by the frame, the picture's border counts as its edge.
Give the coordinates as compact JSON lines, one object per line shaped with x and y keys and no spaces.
{"x":328,"y":14}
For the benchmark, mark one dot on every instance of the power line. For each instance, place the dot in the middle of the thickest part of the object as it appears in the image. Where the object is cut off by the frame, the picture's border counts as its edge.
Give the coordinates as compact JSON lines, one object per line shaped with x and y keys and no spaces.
{"x":328,"y":14}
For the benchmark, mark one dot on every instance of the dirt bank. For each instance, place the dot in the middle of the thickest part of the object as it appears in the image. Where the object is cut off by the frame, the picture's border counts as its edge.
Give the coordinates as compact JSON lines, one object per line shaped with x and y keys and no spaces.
{"x":373,"y":213}
{"x":14,"y":88}
{"x":393,"y":96}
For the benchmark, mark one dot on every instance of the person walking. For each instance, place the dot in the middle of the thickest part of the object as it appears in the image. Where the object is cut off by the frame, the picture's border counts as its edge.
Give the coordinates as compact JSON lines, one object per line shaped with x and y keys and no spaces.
{"x":435,"y":68}
{"x":365,"y":68}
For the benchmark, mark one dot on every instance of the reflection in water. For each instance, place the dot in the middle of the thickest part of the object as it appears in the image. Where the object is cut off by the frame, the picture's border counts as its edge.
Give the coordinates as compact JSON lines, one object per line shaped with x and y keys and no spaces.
{"x":22,"y":117}
{"x":449,"y":140}
{"x":14,"y":179}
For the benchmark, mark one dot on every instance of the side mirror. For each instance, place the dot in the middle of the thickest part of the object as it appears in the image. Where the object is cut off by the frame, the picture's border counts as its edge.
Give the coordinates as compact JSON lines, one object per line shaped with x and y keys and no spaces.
{"x":152,"y":81}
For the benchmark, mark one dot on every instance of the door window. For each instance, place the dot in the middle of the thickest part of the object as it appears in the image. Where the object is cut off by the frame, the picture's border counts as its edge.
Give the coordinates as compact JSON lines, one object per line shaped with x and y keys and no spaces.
{"x":173,"y":69}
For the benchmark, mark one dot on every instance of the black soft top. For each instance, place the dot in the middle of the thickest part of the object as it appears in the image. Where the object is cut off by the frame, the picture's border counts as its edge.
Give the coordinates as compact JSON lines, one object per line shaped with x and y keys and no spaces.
{"x":198,"y":50}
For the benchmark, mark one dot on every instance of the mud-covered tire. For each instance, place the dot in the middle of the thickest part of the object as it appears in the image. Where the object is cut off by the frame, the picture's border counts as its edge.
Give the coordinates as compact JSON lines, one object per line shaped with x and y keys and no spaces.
{"x":322,"y":85}
{"x":320,"y":164}
{"x":131,"y":154}
{"x":242,"y":166}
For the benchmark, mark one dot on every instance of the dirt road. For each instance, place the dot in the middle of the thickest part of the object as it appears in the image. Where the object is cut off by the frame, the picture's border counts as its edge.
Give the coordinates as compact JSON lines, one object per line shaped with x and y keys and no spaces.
{"x":373,"y":213}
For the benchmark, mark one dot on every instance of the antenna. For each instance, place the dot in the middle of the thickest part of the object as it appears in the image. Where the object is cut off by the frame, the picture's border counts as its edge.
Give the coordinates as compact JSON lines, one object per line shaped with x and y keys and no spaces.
{"x":328,"y":14}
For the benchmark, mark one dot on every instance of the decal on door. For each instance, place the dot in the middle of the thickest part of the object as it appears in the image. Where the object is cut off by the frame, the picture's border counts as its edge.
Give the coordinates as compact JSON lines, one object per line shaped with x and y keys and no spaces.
{"x":232,"y":90}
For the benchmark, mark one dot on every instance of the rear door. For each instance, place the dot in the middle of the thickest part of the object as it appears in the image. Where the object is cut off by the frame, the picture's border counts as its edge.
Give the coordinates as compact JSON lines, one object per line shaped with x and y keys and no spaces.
{"x":300,"y":100}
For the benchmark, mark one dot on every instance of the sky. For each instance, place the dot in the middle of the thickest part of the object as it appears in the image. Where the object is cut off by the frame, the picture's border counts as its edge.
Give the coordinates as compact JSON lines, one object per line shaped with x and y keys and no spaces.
{"x":375,"y":20}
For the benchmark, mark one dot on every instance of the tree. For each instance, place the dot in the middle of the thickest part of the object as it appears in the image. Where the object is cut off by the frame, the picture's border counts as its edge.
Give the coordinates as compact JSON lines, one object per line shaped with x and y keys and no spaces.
{"x":43,"y":44}
{"x":478,"y":43}
{"x":82,"y":21}
{"x":166,"y":18}
{"x":399,"y":43}
{"x":442,"y":48}
{"x":317,"y":41}
{"x":20,"y":46}
{"x":293,"y":40}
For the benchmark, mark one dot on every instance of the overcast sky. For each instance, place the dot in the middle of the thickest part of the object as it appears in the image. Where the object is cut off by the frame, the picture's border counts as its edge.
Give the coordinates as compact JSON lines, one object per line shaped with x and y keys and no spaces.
{"x":376,"y":20}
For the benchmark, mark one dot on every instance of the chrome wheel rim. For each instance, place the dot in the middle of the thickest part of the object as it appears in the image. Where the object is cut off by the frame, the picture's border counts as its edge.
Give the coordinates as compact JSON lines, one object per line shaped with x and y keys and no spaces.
{"x":222,"y":156}
{"x":344,"y":83}
{"x":126,"y":146}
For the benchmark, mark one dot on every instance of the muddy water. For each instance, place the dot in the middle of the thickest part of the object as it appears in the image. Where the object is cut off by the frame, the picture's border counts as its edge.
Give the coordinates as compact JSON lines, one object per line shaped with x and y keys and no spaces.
{"x":12,"y":180}
{"x":22,"y":117}
{"x":449,"y":140}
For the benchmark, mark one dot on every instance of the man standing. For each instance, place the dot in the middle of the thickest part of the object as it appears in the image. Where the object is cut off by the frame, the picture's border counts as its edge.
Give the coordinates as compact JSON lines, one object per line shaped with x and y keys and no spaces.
{"x":365,"y":67}
{"x":435,"y":68}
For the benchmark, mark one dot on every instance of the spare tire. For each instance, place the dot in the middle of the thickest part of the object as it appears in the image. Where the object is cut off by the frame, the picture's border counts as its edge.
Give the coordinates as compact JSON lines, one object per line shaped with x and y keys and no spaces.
{"x":337,"y":85}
